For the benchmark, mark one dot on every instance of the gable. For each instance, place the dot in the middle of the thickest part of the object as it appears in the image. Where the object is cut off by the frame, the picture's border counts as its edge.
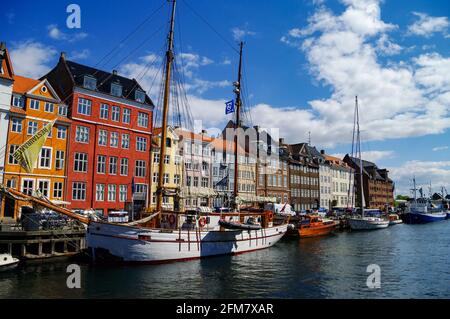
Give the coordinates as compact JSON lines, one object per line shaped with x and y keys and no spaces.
{"x":44,"y":90}
{"x":7,"y":70}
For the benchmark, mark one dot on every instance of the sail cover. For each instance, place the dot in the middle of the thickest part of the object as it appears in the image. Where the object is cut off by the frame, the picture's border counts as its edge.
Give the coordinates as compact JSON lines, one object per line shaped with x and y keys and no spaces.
{"x":28,"y":152}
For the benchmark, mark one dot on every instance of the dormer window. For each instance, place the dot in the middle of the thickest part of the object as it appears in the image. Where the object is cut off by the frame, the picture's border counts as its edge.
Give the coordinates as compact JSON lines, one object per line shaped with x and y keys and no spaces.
{"x":116,"y":89}
{"x":90,"y":83}
{"x":139,"y":96}
{"x":18,"y":101}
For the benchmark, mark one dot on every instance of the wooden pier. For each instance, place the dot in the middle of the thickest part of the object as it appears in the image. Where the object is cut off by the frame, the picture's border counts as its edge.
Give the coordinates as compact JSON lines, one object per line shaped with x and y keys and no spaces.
{"x":41,"y":244}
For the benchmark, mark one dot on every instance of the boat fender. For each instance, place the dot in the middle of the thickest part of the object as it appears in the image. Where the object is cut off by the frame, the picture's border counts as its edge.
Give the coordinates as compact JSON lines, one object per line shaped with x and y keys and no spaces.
{"x":172,"y":219}
{"x":202,"y":222}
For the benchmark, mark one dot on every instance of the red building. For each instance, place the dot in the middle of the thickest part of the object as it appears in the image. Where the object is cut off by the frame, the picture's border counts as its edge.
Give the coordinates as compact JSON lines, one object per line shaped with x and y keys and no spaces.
{"x":109,"y":140}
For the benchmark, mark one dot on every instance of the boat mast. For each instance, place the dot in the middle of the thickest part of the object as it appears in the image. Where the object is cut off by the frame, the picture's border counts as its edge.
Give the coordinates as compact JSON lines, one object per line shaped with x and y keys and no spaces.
{"x":237,"y":124}
{"x":162,"y":149}
{"x":358,"y":138}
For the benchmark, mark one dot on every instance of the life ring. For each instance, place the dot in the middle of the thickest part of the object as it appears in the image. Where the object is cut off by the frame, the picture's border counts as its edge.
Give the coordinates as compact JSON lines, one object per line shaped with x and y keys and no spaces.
{"x":202,"y":222}
{"x":270,"y":216}
{"x":172,"y":219}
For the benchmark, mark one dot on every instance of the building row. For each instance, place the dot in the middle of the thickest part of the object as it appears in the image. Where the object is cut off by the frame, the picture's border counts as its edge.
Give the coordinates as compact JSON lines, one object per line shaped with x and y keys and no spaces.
{"x":103,"y":152}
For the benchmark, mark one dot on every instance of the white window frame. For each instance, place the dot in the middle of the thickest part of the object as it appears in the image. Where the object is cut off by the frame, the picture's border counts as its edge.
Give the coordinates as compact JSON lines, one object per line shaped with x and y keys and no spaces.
{"x":28,"y":180}
{"x":126,"y":116}
{"x":111,"y":139}
{"x":48,"y":186}
{"x":104,"y":108}
{"x":82,"y":161}
{"x":122,"y":165}
{"x":143,"y":119}
{"x":123,"y":193}
{"x":49,"y":159}
{"x":16,"y":125}
{"x":29,"y":126}
{"x":81,"y":189}
{"x":59,"y":159}
{"x":115,"y":113}
{"x":127,"y":140}
{"x":84,"y":106}
{"x":49,"y":109}
{"x":102,"y":134}
{"x":141,"y":144}
{"x":61,"y":132}
{"x":82,"y":134}
{"x":110,"y":191}
{"x":33,"y":103}
{"x":101,"y":163}
{"x":99,"y":189}
{"x":58,"y":190}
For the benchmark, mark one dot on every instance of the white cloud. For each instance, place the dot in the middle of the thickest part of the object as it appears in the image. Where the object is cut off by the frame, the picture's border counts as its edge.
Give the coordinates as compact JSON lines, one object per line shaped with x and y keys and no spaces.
{"x":241,"y":33}
{"x":80,"y":55}
{"x":427,"y":25}
{"x":226,"y":61}
{"x":56,"y":34}
{"x":192,"y":61}
{"x":404,"y":99}
{"x":438,"y":173}
{"x":439,"y":148}
{"x":31,"y":58}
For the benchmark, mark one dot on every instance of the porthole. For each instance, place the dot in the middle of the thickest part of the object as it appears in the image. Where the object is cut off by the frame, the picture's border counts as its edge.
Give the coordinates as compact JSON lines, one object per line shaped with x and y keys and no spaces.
{"x":44,"y":89}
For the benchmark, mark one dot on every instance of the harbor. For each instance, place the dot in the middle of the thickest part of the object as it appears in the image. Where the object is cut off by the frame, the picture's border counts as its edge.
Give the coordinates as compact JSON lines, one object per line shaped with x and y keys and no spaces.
{"x":114,"y":184}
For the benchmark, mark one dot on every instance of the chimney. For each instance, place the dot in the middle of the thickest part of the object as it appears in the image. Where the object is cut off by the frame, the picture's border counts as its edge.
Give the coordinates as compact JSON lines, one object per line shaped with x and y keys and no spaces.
{"x":63,"y":55}
{"x":114,"y":72}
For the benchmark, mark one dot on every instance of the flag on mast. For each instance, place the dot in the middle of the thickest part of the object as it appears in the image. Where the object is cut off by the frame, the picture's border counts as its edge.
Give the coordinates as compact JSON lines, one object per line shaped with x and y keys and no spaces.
{"x":229,"y":107}
{"x":28,"y":153}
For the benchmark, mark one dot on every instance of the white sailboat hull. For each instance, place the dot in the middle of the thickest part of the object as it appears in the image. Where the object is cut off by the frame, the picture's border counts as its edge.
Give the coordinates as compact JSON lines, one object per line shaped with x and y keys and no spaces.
{"x":367,"y":223}
{"x":133,"y":244}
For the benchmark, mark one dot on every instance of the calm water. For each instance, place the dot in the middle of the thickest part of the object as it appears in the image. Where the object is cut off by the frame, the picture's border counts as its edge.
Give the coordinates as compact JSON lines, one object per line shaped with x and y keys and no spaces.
{"x":414,"y":261}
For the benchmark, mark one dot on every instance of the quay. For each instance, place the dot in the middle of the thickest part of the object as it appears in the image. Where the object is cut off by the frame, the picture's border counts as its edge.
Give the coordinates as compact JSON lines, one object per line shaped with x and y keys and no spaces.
{"x":40,"y":244}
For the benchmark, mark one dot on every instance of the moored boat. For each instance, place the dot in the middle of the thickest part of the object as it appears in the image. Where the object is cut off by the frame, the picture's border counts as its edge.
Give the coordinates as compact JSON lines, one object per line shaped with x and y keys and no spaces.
{"x":394,"y":219}
{"x":8,"y":262}
{"x":313,"y":226}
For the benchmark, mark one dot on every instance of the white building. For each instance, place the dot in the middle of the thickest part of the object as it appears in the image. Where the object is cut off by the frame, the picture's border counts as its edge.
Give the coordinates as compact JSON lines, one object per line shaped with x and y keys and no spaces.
{"x":341,"y":182}
{"x":325,"y":182}
{"x":6,"y":86}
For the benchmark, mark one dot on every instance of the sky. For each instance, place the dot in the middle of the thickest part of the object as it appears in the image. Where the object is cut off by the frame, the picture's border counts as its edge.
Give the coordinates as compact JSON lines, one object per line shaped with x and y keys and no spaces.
{"x":304,"y":61}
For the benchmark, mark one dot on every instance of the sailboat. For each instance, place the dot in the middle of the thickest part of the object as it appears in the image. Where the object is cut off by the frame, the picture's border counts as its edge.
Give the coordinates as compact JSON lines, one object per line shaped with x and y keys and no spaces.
{"x":363,"y":222}
{"x":173,"y":236}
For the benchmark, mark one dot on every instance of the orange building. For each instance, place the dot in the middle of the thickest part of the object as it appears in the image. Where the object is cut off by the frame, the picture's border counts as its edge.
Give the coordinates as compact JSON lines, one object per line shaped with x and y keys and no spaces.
{"x":34,"y":104}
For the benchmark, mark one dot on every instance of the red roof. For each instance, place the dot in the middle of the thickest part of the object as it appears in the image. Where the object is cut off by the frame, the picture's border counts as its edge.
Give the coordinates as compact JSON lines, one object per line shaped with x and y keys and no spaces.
{"x":22,"y":84}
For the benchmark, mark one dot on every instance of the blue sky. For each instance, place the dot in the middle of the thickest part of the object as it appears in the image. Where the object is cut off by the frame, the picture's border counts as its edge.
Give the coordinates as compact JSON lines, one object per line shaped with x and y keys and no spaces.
{"x":303,"y":60}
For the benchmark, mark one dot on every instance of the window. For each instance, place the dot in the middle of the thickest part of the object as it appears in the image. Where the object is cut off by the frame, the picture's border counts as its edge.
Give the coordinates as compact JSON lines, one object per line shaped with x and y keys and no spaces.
{"x":101,"y":164}
{"x":104,"y":111}
{"x":166,"y":178}
{"x":18,"y":100}
{"x":177,"y":160}
{"x":11,"y":183}
{"x":155,"y":177}
{"x":205,"y":182}
{"x":177,"y":179}
{"x":45,"y":157}
{"x":28,"y":186}
{"x":34,"y":104}
{"x":123,"y":191}
{"x":111,"y":193}
{"x":143,"y":119}
{"x":124,"y":166}
{"x":57,"y":189}
{"x":11,"y":159}
{"x":115,"y":113}
{"x":114,"y":139}
{"x":139,"y":96}
{"x":126,"y":116}
{"x":43,"y":187}
{"x":84,"y":106}
{"x":155,"y":158}
{"x":166,"y":159}
{"x":168,"y":142}
{"x":102,"y":137}
{"x":140,"y":169}
{"x":195,"y":181}
{"x":188,"y":180}
{"x":116,"y":89}
{"x":78,"y":191}
{"x":113,"y":165}
{"x":59,"y":162}
{"x":61,"y":132}
{"x":62,"y":110}
{"x":49,"y":107}
{"x":141,"y":144}
{"x":90,"y":83}
{"x":32,"y":127}
{"x":82,"y":134}
{"x":81,"y":162}
{"x":100,"y":192}
{"x":16,"y":125}
{"x":125,"y":141}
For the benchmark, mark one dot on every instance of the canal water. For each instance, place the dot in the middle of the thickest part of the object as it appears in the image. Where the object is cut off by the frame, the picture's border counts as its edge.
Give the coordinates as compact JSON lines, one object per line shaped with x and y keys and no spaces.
{"x":414,"y":261}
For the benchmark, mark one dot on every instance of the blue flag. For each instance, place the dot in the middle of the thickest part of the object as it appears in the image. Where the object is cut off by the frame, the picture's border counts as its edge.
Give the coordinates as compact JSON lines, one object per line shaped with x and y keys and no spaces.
{"x":229,"y":107}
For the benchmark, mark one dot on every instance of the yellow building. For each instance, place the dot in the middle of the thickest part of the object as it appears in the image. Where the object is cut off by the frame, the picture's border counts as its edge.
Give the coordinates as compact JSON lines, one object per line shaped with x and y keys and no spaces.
{"x":35,"y":104}
{"x":173,"y":167}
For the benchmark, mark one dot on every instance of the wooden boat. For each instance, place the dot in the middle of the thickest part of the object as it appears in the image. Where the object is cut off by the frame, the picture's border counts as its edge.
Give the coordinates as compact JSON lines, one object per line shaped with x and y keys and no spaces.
{"x":313,"y":226}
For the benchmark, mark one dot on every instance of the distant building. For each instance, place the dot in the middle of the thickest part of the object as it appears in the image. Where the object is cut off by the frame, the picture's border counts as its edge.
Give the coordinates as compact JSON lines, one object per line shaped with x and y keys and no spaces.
{"x":6,"y":88}
{"x":378,"y":187}
{"x":35,"y":104}
{"x":110,"y":137}
{"x":341,"y":180}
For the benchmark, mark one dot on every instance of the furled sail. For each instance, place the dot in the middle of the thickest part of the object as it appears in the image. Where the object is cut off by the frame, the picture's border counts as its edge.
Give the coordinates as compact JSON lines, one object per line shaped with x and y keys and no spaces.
{"x":28,"y":153}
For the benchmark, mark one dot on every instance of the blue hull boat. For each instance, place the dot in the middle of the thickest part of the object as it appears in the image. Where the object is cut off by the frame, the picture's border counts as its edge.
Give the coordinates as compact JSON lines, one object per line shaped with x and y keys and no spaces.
{"x":422,"y":218}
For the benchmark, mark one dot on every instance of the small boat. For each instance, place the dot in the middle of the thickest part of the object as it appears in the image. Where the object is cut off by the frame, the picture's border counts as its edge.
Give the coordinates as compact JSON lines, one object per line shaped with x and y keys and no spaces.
{"x":313,"y":226}
{"x":394,"y":219}
{"x":8,"y":262}
{"x":367,"y":223}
